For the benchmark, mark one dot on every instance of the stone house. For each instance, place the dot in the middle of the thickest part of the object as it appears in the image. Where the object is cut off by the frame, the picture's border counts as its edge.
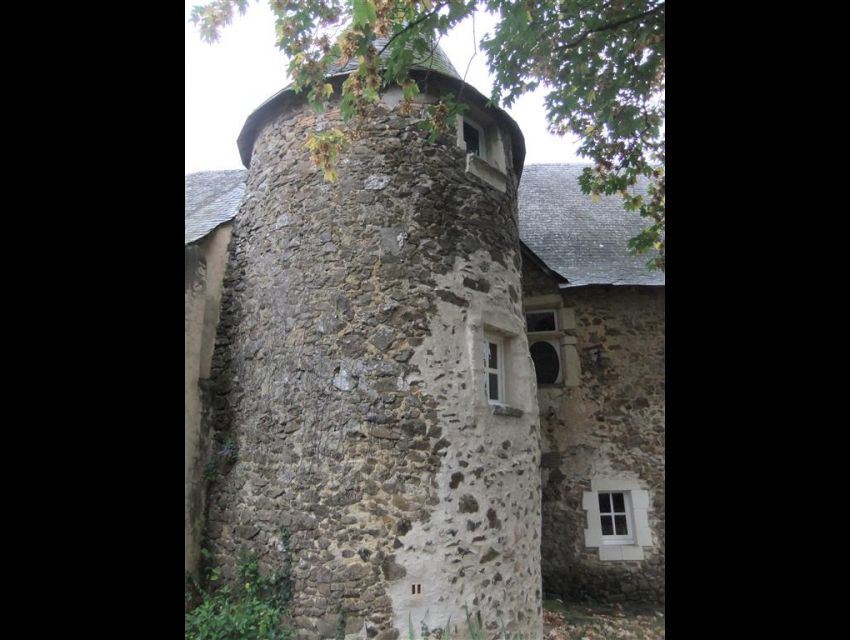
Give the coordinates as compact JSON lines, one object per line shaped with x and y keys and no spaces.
{"x":443,"y":376}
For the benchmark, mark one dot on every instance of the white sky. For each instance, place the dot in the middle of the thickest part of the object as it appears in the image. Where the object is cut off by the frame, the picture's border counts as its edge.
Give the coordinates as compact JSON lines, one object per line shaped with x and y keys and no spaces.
{"x":226,"y":81}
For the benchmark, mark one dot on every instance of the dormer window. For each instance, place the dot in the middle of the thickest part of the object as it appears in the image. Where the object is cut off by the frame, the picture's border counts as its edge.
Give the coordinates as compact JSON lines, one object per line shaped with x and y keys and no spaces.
{"x":482,"y":143}
{"x":472,"y":138}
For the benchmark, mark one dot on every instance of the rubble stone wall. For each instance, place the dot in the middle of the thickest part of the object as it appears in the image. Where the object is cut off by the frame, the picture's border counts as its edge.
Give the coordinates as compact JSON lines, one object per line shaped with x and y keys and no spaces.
{"x":348,"y":404}
{"x":611,"y":426}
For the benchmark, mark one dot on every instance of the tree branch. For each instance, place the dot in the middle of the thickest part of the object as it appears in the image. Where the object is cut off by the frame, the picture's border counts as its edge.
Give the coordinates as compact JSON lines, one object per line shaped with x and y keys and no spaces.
{"x":409,"y":26}
{"x":607,"y":27}
{"x":475,"y":53}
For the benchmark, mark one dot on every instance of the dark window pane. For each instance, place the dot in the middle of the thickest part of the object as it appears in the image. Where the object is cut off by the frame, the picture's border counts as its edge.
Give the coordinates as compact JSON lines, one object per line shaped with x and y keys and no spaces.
{"x":493,"y":361}
{"x":619,"y":502}
{"x":607,"y":526}
{"x":494,"y":386}
{"x":620,"y":522}
{"x":470,"y":137}
{"x":540,"y":321}
{"x":546,"y":362}
{"x":604,"y":503}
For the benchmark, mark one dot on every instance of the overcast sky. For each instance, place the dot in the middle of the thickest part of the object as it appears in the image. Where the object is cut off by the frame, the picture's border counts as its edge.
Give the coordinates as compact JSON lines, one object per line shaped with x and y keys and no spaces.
{"x":226,"y":81}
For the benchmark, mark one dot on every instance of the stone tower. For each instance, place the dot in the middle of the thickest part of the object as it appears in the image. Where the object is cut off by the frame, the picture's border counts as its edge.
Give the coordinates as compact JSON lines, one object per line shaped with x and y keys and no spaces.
{"x":373,"y":392}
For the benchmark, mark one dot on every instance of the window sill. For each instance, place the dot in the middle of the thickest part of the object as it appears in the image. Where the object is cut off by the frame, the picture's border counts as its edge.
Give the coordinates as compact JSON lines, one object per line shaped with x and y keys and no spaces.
{"x":613,"y":552}
{"x":486,"y":172}
{"x":504,"y":410}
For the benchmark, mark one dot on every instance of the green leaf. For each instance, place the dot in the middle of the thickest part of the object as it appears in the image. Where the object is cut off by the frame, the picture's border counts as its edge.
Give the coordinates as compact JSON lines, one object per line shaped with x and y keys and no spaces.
{"x":602,"y":65}
{"x":363,"y":12}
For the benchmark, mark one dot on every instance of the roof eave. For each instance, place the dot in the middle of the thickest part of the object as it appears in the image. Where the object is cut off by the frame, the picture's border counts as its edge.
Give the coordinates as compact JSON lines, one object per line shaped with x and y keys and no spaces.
{"x":538,"y":262}
{"x":278,"y":102}
{"x":571,"y":285}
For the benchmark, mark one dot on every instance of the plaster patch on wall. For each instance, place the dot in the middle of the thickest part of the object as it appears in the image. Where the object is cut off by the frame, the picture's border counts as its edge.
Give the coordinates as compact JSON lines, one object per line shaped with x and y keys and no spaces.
{"x":497,"y":557}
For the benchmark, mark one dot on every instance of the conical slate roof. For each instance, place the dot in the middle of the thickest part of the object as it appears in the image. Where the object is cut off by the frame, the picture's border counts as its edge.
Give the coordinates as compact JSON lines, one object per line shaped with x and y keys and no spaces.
{"x":436,"y":60}
{"x":434,"y":63}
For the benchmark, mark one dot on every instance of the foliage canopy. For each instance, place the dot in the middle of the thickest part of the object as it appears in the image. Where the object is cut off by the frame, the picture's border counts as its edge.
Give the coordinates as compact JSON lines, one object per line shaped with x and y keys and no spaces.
{"x":601,"y":64}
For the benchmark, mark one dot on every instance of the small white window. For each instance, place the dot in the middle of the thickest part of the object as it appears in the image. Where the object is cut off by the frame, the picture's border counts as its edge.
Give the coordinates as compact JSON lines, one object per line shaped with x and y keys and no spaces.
{"x":541,"y":321}
{"x":473,"y":138}
{"x":494,"y":378}
{"x":617,"y":520}
{"x":484,"y":150}
{"x":615,"y":514}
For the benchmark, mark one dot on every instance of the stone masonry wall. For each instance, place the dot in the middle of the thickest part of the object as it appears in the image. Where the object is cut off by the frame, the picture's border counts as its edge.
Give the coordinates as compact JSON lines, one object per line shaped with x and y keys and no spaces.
{"x":204,"y":269}
{"x":347,"y":400}
{"x":195,"y":277}
{"x":611,"y":425}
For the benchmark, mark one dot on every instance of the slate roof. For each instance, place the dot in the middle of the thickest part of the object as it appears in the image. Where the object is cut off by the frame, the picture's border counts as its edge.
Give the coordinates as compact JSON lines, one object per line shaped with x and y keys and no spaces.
{"x":584,"y":241}
{"x":439,"y":61}
{"x":212,"y":198}
{"x":435,"y":66}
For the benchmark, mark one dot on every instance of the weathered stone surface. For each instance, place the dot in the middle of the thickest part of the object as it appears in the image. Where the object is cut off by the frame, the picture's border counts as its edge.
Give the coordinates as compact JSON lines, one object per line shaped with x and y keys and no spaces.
{"x":611,"y":425}
{"x":343,"y":374}
{"x":344,"y":381}
{"x":467,"y":504}
{"x":376,"y":182}
{"x":493,"y":519}
{"x":491,"y":554}
{"x":204,"y":270}
{"x":393,"y":571}
{"x":513,"y":412}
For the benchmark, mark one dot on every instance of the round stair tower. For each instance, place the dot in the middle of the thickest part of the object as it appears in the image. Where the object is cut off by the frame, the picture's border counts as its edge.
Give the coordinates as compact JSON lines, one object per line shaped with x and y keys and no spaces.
{"x":372,"y":381}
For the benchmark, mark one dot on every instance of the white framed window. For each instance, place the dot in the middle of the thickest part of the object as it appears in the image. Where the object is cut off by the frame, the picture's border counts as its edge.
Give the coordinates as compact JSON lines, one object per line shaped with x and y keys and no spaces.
{"x":480,"y":138}
{"x":542,"y":320}
{"x":494,"y":369}
{"x":615,"y":516}
{"x":473,"y":138}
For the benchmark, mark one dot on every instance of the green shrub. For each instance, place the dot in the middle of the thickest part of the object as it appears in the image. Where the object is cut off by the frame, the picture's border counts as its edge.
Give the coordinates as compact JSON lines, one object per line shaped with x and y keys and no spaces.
{"x":251,"y":608}
{"x":226,"y":616}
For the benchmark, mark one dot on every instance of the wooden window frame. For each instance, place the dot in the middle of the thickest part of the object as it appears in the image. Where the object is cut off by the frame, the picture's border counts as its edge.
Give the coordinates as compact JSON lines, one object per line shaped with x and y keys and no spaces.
{"x":629,"y":537}
{"x":498,"y":371}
